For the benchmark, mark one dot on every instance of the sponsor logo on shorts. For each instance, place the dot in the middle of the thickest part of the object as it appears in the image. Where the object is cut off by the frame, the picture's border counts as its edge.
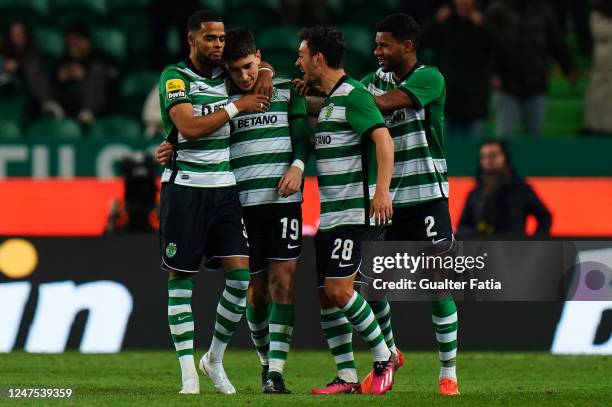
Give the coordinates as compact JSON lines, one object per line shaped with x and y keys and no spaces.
{"x":346,"y":264}
{"x":290,"y":246}
{"x":171,"y":250}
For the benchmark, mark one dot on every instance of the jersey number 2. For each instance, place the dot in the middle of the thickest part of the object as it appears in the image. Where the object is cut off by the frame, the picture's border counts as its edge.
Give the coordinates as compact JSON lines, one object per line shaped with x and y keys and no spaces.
{"x":430,"y":222}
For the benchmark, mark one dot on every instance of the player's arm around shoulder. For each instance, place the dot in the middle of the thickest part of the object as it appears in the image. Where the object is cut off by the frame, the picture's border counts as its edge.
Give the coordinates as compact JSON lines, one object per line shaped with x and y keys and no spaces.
{"x":194,"y":127}
{"x":422,"y":87}
{"x":174,"y":90}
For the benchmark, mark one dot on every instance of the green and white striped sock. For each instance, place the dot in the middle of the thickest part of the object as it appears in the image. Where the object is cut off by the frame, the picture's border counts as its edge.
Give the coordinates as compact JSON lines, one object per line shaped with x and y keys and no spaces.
{"x":339,"y":335}
{"x":180,"y":320}
{"x":229,"y":312}
{"x":444,"y":316}
{"x":281,"y":330}
{"x":362,"y":318}
{"x":382,"y":312}
{"x":258,"y":319}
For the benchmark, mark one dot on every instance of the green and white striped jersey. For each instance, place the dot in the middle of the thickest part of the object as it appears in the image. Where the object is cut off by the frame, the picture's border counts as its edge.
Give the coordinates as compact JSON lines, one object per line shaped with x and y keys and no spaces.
{"x":420,"y":171}
{"x":203,"y":162}
{"x":263,"y":145}
{"x":346,"y":159}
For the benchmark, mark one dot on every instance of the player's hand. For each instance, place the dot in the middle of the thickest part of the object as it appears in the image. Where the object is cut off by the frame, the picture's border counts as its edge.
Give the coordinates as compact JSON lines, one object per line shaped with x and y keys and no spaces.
{"x":263,"y":84}
{"x":300,"y":87}
{"x":163,"y":153}
{"x":382,"y":208}
{"x":291,"y":182}
{"x":253,"y":103}
{"x":303,"y":90}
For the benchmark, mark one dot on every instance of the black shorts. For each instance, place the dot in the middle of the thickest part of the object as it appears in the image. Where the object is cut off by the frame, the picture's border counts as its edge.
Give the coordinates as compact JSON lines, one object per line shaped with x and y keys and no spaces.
{"x":338,"y":250}
{"x":275,"y":233}
{"x":429,"y":221}
{"x":198,"y":222}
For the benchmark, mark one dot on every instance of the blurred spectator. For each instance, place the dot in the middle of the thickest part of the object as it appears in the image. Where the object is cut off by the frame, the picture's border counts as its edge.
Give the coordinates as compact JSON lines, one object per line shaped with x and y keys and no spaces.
{"x":22,"y":67}
{"x":526,"y":37}
{"x":501,"y":201}
{"x":574,"y":15}
{"x":84,"y":76}
{"x":598,"y":106}
{"x":151,"y":114}
{"x":464,"y":54}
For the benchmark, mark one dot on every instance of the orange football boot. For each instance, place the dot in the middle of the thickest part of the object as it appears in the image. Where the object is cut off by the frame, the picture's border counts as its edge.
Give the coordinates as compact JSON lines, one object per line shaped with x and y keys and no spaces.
{"x":449,"y":387}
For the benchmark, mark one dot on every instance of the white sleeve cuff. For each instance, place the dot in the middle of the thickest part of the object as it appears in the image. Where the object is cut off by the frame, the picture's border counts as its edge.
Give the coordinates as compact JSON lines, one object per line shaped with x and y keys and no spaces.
{"x":298,"y":163}
{"x":231,"y":110}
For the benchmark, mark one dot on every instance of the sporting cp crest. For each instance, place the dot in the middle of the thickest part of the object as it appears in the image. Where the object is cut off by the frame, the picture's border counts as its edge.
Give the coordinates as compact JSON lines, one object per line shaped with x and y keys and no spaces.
{"x":329,"y":109}
{"x":171,"y":250}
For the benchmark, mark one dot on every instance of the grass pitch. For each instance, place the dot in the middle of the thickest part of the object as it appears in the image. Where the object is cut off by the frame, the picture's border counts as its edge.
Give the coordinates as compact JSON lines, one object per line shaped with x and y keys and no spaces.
{"x":153,"y":379}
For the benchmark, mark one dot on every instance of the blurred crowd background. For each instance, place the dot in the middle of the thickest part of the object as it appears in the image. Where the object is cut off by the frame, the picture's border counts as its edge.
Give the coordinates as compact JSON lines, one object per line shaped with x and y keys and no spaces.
{"x":87,"y":68}
{"x":527,"y":77}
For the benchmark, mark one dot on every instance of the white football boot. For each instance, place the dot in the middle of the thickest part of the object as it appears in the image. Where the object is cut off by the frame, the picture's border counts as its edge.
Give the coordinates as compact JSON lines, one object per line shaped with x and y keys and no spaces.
{"x":217,"y":374}
{"x":191,"y":385}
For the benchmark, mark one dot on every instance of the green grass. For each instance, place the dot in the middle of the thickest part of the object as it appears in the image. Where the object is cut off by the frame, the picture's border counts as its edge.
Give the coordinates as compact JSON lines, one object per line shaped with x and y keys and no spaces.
{"x":153,"y":379}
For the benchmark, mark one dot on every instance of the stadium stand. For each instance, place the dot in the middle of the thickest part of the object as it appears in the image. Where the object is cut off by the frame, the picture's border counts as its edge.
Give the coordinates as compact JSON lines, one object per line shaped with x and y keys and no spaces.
{"x":32,"y":12}
{"x":360,"y":45}
{"x":111,"y":41}
{"x":52,"y":128}
{"x":134,"y":90}
{"x":122,"y":29}
{"x":50,"y":41}
{"x":9,"y":130}
{"x":68,"y":12}
{"x":254,"y":14}
{"x":278,"y":48}
{"x":115,"y":126}
{"x":13,"y":107}
{"x":132,"y":16}
{"x":214,"y":5}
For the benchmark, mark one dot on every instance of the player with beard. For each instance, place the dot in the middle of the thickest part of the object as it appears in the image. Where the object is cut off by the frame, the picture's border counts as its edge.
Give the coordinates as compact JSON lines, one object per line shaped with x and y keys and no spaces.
{"x":354,"y":158}
{"x":412,"y":97}
{"x":200,"y":209}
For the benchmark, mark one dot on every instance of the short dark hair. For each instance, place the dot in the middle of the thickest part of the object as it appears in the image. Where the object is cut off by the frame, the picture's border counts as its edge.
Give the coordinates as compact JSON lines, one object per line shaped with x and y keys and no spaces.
{"x":326,"y":40}
{"x":239,"y":43}
{"x":202,"y":16}
{"x":402,"y":27}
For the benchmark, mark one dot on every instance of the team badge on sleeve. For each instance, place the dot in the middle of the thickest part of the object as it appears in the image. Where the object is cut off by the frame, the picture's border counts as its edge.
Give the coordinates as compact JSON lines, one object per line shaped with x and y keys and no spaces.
{"x":175,"y":88}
